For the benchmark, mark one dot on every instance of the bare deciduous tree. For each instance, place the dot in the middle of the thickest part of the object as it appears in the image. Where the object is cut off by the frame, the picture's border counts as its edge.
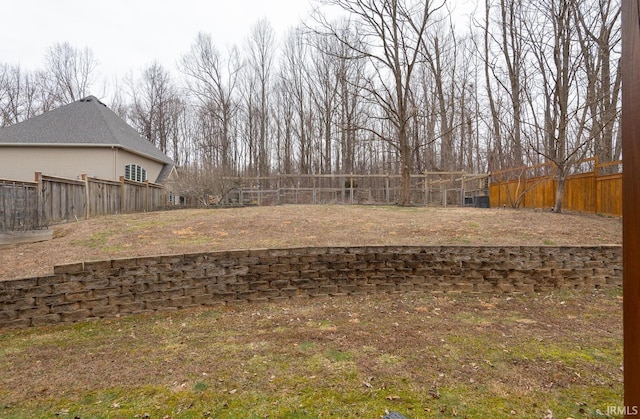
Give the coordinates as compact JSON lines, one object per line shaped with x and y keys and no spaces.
{"x":157,"y":107}
{"x":70,"y":72}
{"x":23,"y":94}
{"x":552,"y":33}
{"x":260,"y":69}
{"x":598,"y":30}
{"x":212,"y":82}
{"x":294,"y":76}
{"x":392,"y":33}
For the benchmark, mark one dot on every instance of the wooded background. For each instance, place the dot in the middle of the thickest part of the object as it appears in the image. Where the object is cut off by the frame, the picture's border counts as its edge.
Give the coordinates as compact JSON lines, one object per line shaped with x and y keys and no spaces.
{"x":396,"y":87}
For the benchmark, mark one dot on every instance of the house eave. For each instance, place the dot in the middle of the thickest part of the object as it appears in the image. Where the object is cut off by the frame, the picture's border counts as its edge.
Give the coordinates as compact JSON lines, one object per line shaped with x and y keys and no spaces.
{"x":88,"y":145}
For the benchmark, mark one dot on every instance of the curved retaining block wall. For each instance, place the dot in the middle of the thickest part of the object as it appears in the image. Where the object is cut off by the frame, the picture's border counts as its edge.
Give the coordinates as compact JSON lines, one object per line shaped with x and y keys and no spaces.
{"x":112,"y":288}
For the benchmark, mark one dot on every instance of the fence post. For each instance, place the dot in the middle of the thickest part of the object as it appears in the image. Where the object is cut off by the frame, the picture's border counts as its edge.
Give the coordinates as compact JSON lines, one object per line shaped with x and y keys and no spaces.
{"x":386,"y":188}
{"x":314,"y":190}
{"x":122,"y":196}
{"x":596,"y":184}
{"x":351,"y":189}
{"x":39,"y":201}
{"x":426,"y":190}
{"x":278,"y":186}
{"x":85,"y":179}
{"x":147,"y":197}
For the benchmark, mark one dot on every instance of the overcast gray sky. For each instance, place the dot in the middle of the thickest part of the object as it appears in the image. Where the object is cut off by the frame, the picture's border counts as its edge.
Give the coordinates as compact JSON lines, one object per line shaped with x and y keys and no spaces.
{"x":127,"y":35}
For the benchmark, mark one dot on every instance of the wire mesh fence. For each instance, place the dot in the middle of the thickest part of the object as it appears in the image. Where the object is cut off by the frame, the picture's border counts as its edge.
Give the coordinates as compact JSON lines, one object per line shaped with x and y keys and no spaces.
{"x":437,"y":188}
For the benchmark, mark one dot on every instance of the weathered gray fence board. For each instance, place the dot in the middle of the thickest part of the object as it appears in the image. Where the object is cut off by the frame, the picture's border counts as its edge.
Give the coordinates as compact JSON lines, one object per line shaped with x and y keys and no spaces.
{"x":18,"y":206}
{"x":49,"y":200}
{"x":63,"y":199}
{"x":105,"y":197}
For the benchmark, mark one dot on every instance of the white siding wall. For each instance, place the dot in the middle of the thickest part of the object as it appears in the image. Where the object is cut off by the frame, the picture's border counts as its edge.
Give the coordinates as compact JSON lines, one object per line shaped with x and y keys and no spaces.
{"x":20,"y":163}
{"x":124,"y":158}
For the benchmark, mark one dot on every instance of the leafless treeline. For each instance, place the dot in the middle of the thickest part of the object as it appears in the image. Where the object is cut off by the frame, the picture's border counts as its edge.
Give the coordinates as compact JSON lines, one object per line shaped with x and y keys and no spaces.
{"x":396,"y":86}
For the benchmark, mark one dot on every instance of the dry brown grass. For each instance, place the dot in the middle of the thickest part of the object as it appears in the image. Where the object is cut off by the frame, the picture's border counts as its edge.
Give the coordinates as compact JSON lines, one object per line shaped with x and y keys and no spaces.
{"x":187,"y":231}
{"x":542,"y":355}
{"x":474,"y":356}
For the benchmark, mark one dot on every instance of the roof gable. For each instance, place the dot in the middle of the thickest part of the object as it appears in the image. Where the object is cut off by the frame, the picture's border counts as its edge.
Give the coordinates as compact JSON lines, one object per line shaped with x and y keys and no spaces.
{"x":84,"y":122}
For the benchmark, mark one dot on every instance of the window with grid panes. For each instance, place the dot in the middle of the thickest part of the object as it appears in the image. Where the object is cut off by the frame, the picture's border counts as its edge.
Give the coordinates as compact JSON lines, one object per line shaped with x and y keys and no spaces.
{"x":135,"y":172}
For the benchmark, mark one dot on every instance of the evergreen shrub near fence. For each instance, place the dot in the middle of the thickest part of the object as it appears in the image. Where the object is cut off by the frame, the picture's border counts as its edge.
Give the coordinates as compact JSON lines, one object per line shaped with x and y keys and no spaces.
{"x":109,"y":288}
{"x":50,"y":200}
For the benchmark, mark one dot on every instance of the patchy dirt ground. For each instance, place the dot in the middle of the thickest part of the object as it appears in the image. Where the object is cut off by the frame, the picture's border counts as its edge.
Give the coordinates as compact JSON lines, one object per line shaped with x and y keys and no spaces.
{"x":187,"y":231}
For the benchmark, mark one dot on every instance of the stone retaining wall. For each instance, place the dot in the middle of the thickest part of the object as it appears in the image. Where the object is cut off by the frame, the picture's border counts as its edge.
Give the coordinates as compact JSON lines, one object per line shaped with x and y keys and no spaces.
{"x":112,"y":288}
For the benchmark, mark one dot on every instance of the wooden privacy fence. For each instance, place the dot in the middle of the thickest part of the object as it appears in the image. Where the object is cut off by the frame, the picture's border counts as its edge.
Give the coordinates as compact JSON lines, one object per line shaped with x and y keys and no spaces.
{"x":50,"y":200}
{"x":430,"y":188}
{"x":598,"y":189}
{"x":18,"y":206}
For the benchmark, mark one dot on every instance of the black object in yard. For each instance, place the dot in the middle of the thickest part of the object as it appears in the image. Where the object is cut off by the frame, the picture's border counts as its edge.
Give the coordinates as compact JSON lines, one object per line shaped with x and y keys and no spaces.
{"x":393,"y":415}
{"x":481,"y":202}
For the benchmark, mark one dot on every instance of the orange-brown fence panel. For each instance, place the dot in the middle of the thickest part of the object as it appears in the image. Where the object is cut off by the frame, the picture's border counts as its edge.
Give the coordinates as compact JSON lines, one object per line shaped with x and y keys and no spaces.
{"x":580,"y":193}
{"x":537,"y":192}
{"x":609,"y":194}
{"x":540,"y":193}
{"x":586,"y":192}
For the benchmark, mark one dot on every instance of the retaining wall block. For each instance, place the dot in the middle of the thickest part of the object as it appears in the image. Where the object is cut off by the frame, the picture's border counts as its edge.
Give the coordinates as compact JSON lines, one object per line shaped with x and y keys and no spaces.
{"x":122,"y":299}
{"x":38,"y":291}
{"x":15,"y":324}
{"x":207,"y":300}
{"x":106,"y":292}
{"x":105,"y":311}
{"x":224,"y":296}
{"x":122,"y":286}
{"x":33,"y":312}
{"x":194,"y":291}
{"x":94,"y":302}
{"x":75,"y":316}
{"x":484,"y":287}
{"x":182,"y":302}
{"x":156,"y":305}
{"x":45,"y":320}
{"x":78,"y":296}
{"x":132,"y":308}
{"x":270,"y":293}
{"x":6,"y":315}
{"x":278,"y":252}
{"x":48,"y":300}
{"x":69,"y":268}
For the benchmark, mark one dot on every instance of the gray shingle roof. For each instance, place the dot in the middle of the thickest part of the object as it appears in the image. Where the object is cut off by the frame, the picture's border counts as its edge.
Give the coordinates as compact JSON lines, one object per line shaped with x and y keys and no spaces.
{"x":85,"y":122}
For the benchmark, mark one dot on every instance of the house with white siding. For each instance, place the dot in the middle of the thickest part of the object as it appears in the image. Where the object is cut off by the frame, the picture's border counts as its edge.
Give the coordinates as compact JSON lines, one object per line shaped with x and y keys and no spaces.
{"x":83,"y":137}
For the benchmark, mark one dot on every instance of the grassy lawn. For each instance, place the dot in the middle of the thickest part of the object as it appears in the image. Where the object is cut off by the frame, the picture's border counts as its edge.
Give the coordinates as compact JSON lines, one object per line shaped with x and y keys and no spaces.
{"x":205,"y":230}
{"x":537,"y":356}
